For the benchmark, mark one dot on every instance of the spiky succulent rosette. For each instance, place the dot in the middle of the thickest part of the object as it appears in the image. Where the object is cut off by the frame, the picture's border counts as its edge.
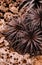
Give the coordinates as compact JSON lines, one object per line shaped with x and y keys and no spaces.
{"x":24,"y":37}
{"x":24,"y":34}
{"x":36,"y":15}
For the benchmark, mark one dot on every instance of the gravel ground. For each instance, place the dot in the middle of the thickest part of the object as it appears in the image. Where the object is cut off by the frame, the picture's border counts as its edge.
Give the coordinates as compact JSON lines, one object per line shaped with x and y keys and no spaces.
{"x":9,"y":8}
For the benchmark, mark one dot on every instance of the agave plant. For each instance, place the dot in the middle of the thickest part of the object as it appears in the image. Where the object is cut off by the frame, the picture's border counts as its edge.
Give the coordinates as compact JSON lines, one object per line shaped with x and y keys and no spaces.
{"x":25,"y":36}
{"x":36,"y":15}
